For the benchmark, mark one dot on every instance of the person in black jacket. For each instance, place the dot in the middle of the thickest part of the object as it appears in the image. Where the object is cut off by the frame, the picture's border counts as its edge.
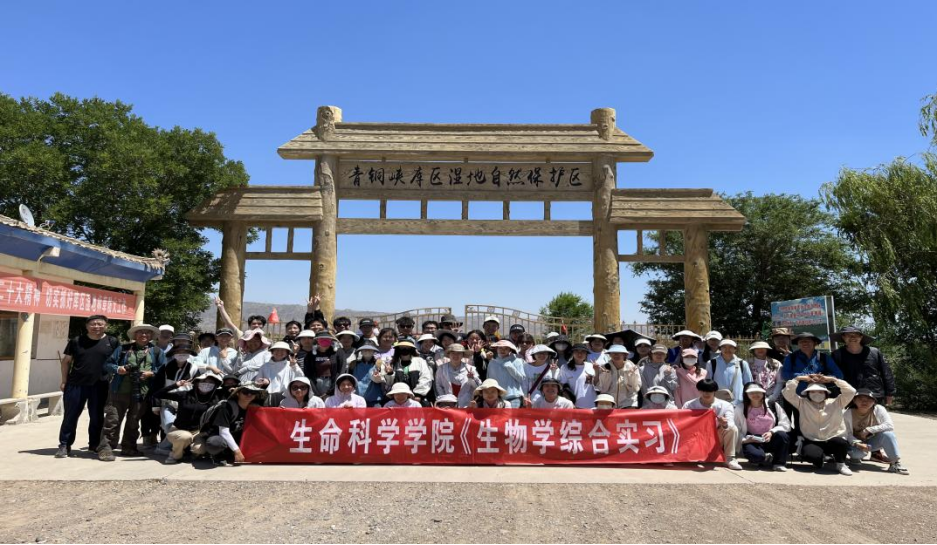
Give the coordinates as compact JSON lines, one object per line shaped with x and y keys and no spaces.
{"x":192,"y":403}
{"x":863,"y":366}
{"x":322,"y":365}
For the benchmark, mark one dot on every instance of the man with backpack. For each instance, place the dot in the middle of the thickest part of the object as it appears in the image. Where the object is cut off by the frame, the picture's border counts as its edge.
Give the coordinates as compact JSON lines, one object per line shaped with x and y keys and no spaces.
{"x":864,"y":366}
{"x":132,"y":367}
{"x":85,"y":382}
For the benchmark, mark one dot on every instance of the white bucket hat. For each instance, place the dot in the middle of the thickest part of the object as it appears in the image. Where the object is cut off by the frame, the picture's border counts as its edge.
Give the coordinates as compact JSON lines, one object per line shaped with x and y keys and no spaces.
{"x":759,"y":344}
{"x":542,"y":348}
{"x":492,"y":319}
{"x":604,"y":397}
{"x":642,"y":341}
{"x":685,"y":333}
{"x":490,"y":383}
{"x":283,"y":345}
{"x":306,"y":334}
{"x":505,"y":344}
{"x":400,"y":388}
{"x":142,"y":327}
{"x":713,"y":335}
{"x":597,"y":337}
{"x":426,"y":337}
{"x":618,"y":349}
{"x":816,"y":387}
{"x":728,"y":342}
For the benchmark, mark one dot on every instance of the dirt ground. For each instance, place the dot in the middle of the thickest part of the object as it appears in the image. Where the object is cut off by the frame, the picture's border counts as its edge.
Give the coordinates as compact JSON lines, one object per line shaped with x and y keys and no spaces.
{"x":302,"y":512}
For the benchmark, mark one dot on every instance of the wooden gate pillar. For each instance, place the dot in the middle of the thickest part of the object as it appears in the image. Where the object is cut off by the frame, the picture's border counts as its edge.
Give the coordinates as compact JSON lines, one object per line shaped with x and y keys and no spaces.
{"x":605,"y":291}
{"x":324,"y":233}
{"x":696,"y":279}
{"x":230,"y":289}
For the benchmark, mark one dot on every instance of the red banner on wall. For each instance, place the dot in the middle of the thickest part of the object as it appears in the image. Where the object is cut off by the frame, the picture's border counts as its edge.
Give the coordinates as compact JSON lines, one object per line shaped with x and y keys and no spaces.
{"x":23,"y":294}
{"x":479,"y":436}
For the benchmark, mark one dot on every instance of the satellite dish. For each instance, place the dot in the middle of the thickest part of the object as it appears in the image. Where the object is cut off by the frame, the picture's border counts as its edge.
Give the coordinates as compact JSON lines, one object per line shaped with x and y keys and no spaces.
{"x":27,"y":216}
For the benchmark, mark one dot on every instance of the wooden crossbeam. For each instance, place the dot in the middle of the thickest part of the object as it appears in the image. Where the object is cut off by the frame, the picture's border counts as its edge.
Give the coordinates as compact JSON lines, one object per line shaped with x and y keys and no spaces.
{"x":650,"y":258}
{"x":279,"y":256}
{"x":356,"y":226}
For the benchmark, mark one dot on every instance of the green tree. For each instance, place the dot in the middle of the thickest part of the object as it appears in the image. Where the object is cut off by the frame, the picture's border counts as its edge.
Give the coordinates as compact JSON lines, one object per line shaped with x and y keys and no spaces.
{"x":93,"y":170}
{"x":568,"y":305}
{"x":786,"y":250}
{"x":889,"y":213}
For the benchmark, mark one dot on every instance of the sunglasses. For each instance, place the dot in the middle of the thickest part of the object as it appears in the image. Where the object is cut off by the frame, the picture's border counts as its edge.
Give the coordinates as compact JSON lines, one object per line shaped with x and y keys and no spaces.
{"x":299,"y":387}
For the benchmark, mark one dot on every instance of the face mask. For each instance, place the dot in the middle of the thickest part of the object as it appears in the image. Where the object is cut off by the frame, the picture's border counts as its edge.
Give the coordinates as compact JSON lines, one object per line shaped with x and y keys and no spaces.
{"x":689,"y":362}
{"x":206,"y":387}
{"x":324,"y":344}
{"x":658,"y":399}
{"x":817,"y":397}
{"x":181,"y":358}
{"x":561,"y":347}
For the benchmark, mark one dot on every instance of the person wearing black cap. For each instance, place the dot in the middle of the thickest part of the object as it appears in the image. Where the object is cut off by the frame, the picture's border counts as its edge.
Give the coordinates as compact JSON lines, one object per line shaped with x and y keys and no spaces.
{"x":84,"y":382}
{"x":206,"y":339}
{"x":863,"y":366}
{"x":515,"y":332}
{"x":365,"y":332}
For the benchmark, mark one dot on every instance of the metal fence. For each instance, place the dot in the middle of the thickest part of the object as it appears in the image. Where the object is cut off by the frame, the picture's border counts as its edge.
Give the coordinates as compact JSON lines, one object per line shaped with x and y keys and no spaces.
{"x":537,"y":325}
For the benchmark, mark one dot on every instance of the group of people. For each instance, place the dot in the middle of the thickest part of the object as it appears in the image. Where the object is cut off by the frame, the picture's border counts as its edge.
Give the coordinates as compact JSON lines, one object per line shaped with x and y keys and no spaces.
{"x":194,"y":392}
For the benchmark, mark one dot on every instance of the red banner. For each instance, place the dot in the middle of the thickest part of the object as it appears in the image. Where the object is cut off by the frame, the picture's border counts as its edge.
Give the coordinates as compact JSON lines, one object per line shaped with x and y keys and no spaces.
{"x":479,"y":436}
{"x":22,"y":294}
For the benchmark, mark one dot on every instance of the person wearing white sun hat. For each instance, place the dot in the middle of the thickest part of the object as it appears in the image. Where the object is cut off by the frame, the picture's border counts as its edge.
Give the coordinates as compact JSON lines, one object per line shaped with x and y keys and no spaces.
{"x":685,"y":339}
{"x":821,"y":419}
{"x":729,"y":371}
{"x":280,"y":370}
{"x":619,"y":378}
{"x":508,"y":372}
{"x":763,"y":429}
{"x":765,"y":370}
{"x":541,"y":369}
{"x":401,"y":396}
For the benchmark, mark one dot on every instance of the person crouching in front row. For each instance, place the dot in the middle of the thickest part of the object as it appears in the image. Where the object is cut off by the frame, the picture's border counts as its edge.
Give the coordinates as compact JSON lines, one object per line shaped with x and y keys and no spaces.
{"x":223,"y":432}
{"x":725,"y":418}
{"x":821,"y":419}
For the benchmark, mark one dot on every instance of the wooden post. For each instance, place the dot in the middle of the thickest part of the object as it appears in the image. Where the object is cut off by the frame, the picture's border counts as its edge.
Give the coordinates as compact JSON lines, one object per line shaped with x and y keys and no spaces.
{"x":324,"y":234}
{"x":606,"y":288}
{"x":22,"y":358}
{"x":230,"y":289}
{"x":325,"y":240}
{"x":140,"y":294}
{"x":696,"y":278}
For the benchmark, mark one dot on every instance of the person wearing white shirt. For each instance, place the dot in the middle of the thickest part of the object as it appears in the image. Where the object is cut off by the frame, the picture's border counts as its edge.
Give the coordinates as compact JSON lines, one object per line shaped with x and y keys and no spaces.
{"x":579,"y":375}
{"x":280,"y":370}
{"x":542,"y":368}
{"x":725,"y":418}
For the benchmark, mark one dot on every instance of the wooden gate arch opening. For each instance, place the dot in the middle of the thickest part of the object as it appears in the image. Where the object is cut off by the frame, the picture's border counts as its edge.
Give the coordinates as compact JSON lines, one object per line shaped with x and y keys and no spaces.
{"x":465,"y":163}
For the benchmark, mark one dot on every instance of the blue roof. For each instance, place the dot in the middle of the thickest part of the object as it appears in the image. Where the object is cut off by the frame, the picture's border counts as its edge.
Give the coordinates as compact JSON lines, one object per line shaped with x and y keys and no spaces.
{"x":19,"y":240}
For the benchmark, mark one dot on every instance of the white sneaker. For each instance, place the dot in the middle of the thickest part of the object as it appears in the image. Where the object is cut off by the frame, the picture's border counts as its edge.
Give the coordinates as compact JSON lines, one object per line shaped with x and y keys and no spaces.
{"x":843,"y":470}
{"x":779,"y":468}
{"x":733,"y":465}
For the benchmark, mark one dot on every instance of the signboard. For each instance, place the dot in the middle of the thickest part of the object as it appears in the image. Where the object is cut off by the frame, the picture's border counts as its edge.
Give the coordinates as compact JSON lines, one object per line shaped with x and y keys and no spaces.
{"x":26,"y":294}
{"x":479,"y":436}
{"x":477,"y":177}
{"x":810,"y":315}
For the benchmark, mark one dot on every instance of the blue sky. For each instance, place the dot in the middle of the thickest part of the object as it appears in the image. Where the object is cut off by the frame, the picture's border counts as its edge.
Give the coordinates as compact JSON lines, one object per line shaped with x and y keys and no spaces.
{"x":732,"y":95}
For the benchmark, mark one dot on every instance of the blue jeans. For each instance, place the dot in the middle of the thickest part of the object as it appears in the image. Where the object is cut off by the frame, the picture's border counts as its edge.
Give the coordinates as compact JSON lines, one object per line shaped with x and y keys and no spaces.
{"x":884,"y":440}
{"x":73,"y":401}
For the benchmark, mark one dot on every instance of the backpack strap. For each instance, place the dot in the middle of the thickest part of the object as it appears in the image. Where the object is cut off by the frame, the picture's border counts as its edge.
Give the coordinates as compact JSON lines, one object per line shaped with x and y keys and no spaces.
{"x":712,"y":362}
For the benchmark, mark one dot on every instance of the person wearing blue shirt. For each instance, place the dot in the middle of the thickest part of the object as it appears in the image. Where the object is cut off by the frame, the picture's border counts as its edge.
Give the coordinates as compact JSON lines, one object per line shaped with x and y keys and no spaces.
{"x":807,"y":361}
{"x":685,"y":339}
{"x":508,"y":370}
{"x":729,"y":371}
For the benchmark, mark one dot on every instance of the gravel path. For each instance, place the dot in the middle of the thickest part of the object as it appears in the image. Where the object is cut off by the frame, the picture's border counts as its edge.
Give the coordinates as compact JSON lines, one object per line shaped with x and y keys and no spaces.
{"x":302,"y":512}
